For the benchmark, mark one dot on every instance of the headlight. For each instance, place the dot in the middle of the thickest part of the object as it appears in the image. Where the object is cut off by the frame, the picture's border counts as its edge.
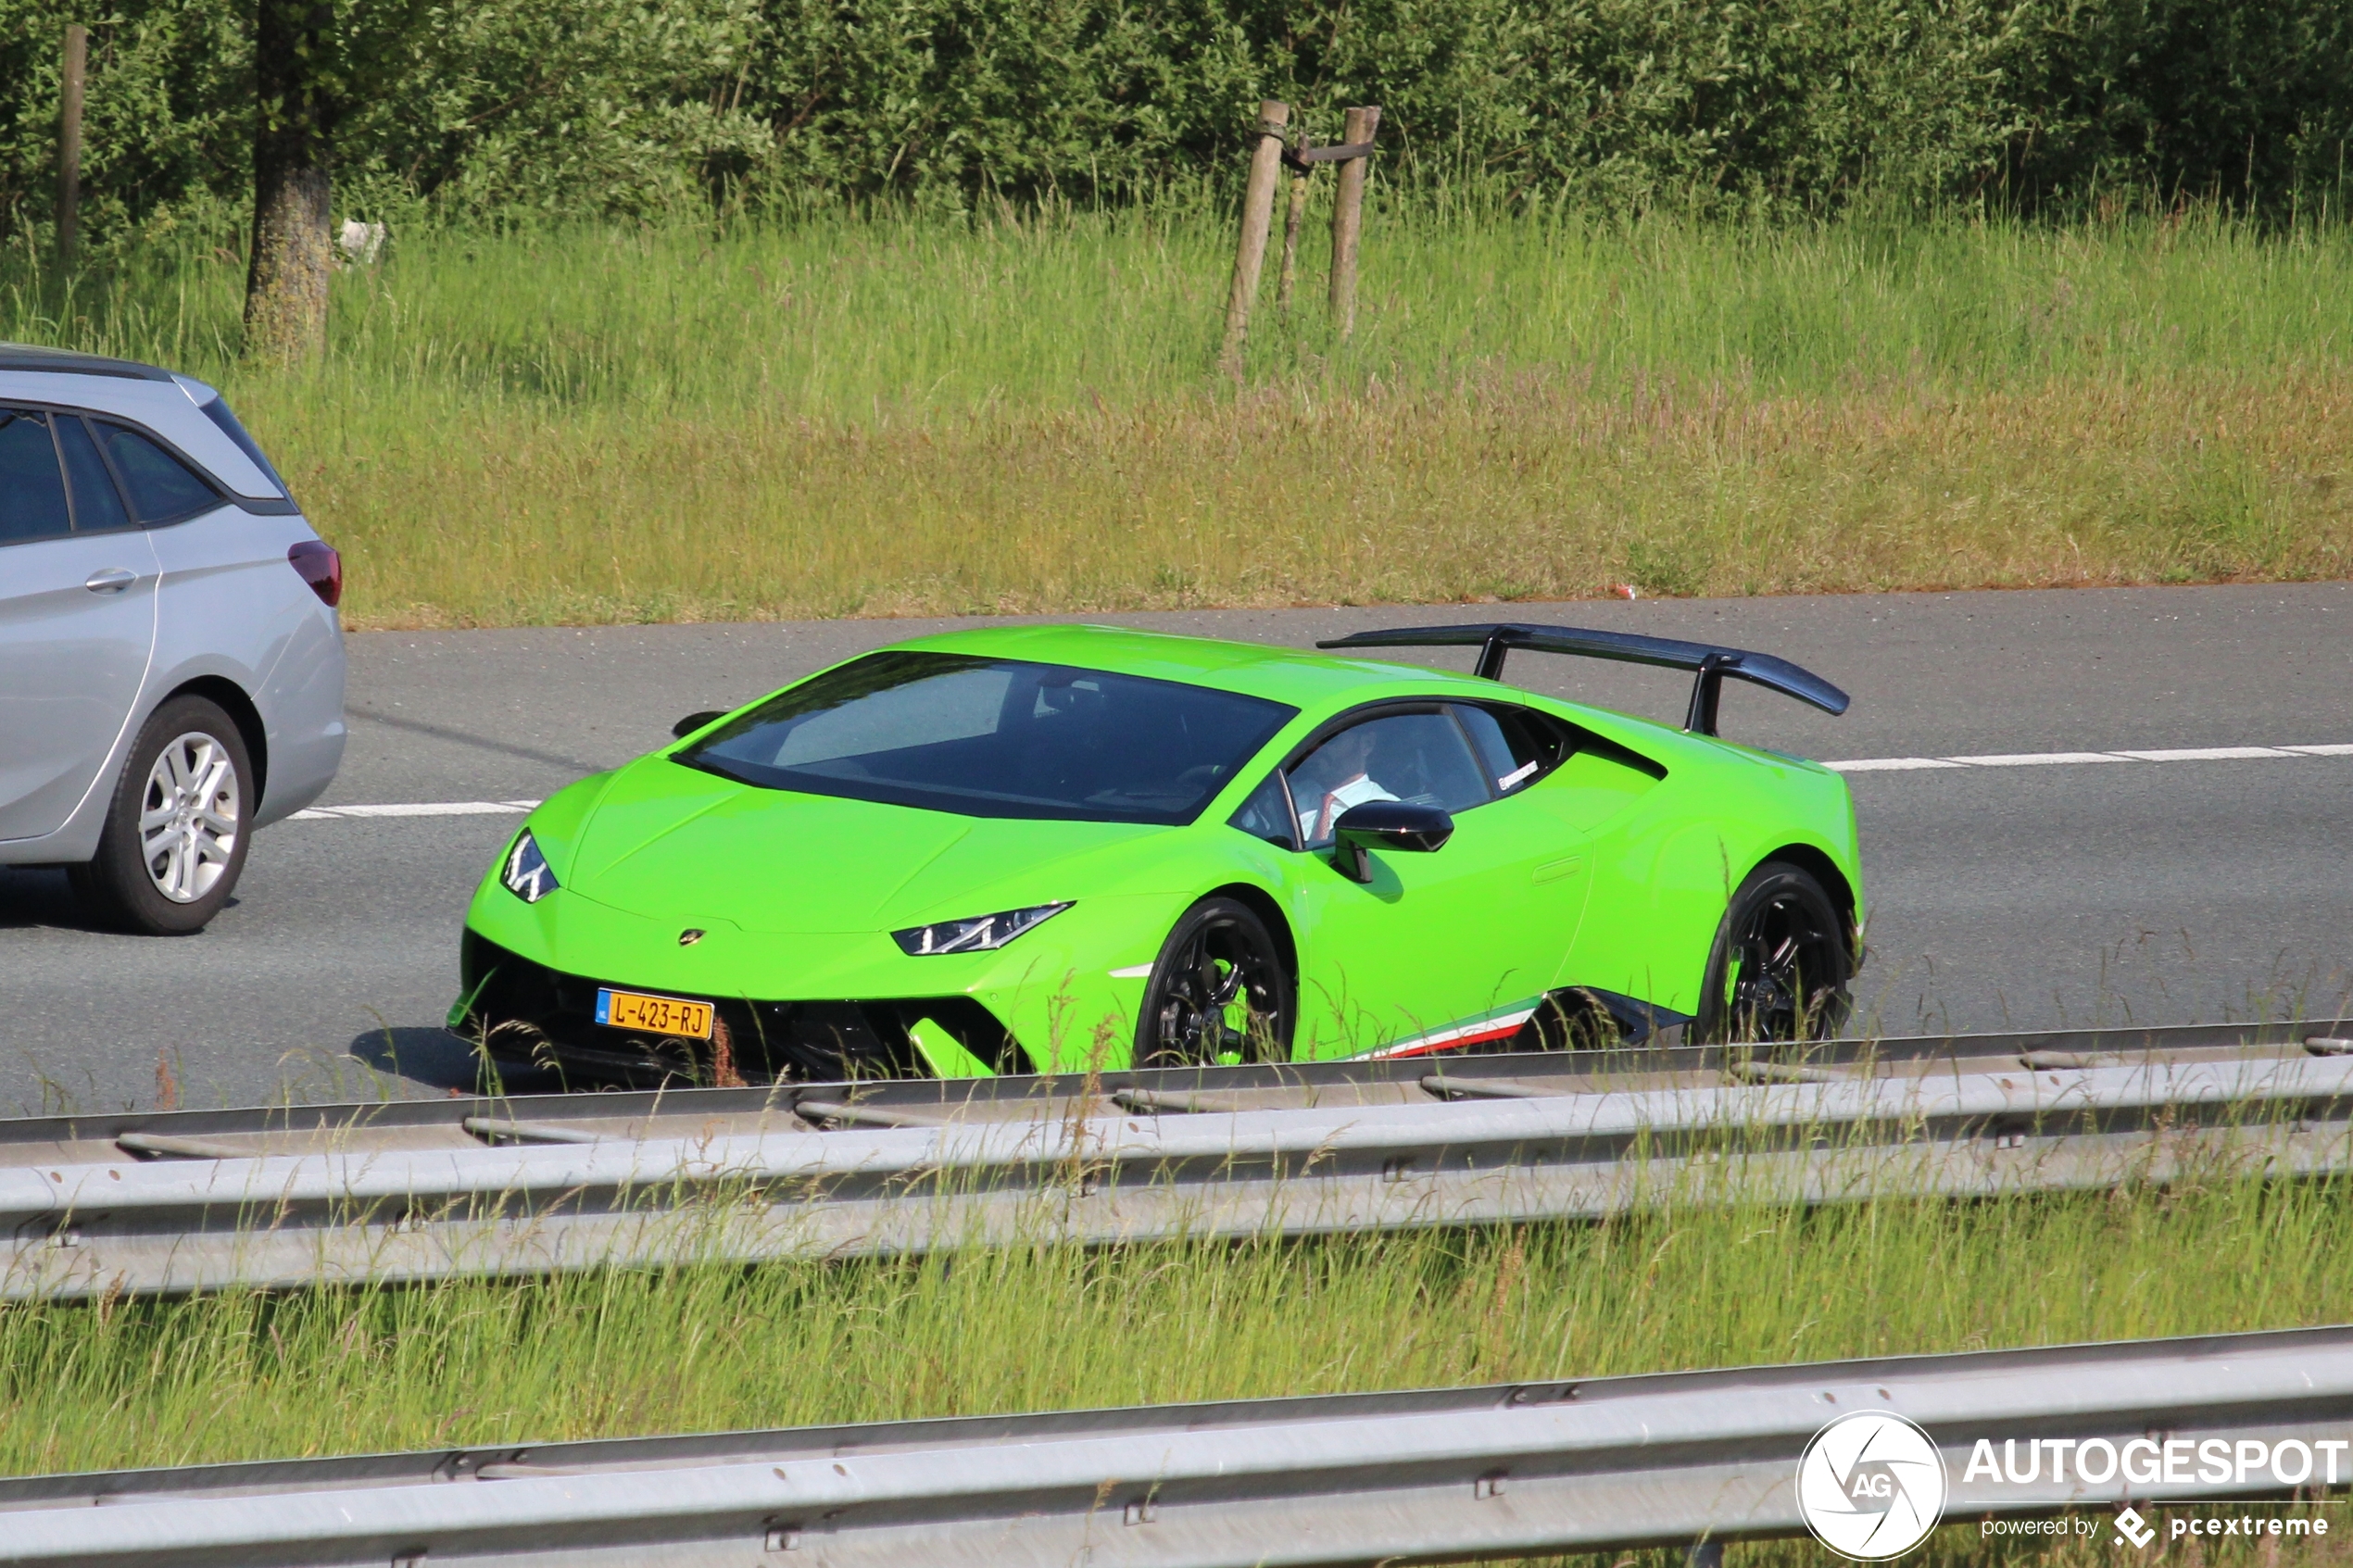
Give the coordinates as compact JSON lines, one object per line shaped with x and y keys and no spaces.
{"x":973,"y":935}
{"x":525,"y":873}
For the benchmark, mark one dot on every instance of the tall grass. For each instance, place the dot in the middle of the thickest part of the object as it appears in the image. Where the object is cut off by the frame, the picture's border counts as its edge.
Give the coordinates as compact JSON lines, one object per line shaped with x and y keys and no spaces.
{"x":853,"y":320}
{"x":880,"y":415}
{"x":228,"y":1376}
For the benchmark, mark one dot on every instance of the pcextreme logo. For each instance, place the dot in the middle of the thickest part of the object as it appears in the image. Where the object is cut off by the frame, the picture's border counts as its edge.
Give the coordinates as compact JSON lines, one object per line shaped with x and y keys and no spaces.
{"x":1871,"y":1486}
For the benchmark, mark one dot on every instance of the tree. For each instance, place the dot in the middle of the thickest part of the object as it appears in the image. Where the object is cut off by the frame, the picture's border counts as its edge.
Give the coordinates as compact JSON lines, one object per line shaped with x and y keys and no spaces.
{"x":298,"y":96}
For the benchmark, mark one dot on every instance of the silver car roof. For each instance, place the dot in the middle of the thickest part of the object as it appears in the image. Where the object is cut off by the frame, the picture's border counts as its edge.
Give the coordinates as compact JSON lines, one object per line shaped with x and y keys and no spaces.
{"x":67,"y":361}
{"x":170,"y":405}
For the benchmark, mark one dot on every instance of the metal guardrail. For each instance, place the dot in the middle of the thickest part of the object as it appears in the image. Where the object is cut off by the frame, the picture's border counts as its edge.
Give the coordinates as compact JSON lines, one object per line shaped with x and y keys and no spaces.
{"x":1527,"y":1468}
{"x":404,"y":1192}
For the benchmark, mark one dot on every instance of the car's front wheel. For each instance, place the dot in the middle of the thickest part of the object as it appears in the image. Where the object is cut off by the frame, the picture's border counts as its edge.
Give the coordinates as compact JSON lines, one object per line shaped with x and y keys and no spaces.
{"x":1219,"y":992}
{"x":1780,"y":965}
{"x":177,"y":829}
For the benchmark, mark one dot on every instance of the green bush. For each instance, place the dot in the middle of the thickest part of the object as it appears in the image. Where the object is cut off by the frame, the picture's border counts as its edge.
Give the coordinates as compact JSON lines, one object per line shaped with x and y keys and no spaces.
{"x":497,"y":111}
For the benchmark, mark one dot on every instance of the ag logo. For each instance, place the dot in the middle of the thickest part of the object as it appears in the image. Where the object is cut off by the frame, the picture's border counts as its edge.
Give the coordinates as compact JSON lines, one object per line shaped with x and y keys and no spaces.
{"x":1870,"y":1486}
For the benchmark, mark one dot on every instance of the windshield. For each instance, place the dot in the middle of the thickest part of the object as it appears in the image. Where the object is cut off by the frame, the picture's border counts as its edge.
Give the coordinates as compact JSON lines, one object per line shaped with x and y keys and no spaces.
{"x":996,"y":737}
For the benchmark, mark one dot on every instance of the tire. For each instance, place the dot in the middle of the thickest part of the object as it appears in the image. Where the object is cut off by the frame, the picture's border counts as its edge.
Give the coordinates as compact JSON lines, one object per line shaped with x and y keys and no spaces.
{"x":1779,"y":969}
{"x":1219,"y":992}
{"x":189,"y":781}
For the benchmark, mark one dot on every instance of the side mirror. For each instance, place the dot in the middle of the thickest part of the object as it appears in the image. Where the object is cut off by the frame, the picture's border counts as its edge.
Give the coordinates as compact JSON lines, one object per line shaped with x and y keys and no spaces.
{"x":694,"y":721}
{"x":1398,"y":825}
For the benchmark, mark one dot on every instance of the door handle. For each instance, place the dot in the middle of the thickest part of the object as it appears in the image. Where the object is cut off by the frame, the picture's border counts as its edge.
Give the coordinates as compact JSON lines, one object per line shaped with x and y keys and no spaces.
{"x":113,"y":580}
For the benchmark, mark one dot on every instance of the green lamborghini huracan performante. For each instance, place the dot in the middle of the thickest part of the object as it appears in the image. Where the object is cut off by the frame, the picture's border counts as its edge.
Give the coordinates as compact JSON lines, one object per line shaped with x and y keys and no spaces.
{"x":1045,"y":848}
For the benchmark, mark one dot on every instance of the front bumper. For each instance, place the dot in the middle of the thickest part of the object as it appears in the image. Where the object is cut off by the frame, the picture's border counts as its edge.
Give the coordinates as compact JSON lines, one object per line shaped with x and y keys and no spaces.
{"x":526,"y":1013}
{"x":812,"y":1004}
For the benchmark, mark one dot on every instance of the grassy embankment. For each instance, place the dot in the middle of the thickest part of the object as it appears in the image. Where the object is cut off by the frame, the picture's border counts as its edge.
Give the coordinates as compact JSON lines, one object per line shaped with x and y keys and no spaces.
{"x":880,"y":417}
{"x":144,"y":1383}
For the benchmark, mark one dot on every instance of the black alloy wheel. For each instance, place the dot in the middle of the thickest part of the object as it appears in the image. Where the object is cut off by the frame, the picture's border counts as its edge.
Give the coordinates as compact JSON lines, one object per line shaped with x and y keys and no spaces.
{"x":1219,"y":992}
{"x":1781,"y":963}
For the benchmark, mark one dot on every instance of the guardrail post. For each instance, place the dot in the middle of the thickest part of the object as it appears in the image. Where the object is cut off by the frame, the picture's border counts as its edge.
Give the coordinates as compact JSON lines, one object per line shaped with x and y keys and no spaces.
{"x":77,"y":62}
{"x":1348,"y":214}
{"x":1258,"y":217}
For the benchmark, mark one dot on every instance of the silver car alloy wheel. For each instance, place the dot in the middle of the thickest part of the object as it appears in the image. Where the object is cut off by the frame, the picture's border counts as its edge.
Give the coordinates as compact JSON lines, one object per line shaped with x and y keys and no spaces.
{"x":190,"y":817}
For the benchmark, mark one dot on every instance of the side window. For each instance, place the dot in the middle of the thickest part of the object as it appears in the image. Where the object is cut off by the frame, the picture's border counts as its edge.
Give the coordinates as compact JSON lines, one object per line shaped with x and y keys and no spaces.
{"x":33,"y":494}
{"x":1518,"y":748}
{"x":163,"y":489}
{"x":1267,"y":814}
{"x":218,"y":412}
{"x":96,"y":507}
{"x":1417,"y":757}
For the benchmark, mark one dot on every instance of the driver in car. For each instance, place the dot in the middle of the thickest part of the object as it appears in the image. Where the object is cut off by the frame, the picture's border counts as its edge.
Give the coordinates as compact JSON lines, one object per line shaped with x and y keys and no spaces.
{"x":1334,"y":779}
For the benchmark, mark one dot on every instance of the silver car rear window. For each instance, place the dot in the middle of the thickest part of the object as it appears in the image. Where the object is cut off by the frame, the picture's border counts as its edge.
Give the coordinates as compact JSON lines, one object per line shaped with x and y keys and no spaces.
{"x":218,"y":412}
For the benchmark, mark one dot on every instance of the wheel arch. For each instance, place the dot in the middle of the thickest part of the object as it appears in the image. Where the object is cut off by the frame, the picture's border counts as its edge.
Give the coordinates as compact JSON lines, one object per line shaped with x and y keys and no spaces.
{"x":230,"y":698}
{"x":1266,"y":906}
{"x":1819,"y":865}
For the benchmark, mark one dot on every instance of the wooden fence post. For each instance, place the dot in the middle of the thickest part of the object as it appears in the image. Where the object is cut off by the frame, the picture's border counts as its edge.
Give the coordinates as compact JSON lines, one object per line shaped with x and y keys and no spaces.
{"x":69,"y":142}
{"x":1291,"y":220}
{"x":1347,"y":216}
{"x":1258,"y":217}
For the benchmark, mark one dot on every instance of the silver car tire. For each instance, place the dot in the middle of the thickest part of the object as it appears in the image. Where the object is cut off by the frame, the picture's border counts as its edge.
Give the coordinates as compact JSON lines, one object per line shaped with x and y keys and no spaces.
{"x":179,"y":826}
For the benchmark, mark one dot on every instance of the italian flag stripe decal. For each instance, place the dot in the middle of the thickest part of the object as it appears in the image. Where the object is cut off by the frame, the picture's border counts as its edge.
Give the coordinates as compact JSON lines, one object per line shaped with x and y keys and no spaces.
{"x":1480,"y":1031}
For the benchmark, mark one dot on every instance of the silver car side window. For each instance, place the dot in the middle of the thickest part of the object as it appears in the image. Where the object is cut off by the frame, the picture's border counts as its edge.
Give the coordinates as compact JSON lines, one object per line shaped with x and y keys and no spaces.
{"x":33,"y":492}
{"x":162,"y":488}
{"x":96,"y":507}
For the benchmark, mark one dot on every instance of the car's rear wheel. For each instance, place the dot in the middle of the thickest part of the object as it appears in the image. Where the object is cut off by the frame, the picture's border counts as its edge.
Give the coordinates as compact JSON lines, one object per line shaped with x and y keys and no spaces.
{"x":1780,"y":965}
{"x":1219,"y":992}
{"x":176,"y":832}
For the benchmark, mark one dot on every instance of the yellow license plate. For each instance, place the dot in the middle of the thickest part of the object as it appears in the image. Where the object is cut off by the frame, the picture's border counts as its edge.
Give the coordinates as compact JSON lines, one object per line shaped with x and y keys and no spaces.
{"x":654,"y":1015}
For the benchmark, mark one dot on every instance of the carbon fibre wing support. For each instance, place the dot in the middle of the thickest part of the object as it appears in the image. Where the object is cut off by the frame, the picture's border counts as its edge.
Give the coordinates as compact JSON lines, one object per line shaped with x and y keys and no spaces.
{"x":1708,"y":663}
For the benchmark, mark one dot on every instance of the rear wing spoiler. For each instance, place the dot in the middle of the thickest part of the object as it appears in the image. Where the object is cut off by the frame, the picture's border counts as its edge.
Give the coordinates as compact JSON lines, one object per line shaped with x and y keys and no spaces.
{"x":1709,"y":663}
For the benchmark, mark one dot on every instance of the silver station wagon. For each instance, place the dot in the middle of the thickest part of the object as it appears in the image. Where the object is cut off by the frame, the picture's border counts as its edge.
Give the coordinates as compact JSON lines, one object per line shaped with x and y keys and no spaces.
{"x":172,"y":666}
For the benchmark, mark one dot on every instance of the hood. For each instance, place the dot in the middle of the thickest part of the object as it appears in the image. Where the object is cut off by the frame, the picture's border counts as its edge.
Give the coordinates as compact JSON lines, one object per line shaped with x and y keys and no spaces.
{"x":676,"y":843}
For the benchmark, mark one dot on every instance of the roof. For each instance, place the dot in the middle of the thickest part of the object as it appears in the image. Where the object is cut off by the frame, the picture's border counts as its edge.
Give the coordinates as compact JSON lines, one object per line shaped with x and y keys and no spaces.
{"x":1296,"y":677}
{"x":67,"y":362}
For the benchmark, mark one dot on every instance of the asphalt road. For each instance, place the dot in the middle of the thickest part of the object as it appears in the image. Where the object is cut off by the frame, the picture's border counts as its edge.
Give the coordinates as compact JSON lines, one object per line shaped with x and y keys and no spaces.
{"x":2171,"y":892}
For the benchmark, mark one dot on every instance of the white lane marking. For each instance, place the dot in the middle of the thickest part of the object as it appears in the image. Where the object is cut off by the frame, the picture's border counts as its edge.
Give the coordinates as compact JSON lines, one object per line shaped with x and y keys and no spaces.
{"x":2206,"y":753}
{"x":2066,"y":758}
{"x":2039,"y":758}
{"x":416,"y":808}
